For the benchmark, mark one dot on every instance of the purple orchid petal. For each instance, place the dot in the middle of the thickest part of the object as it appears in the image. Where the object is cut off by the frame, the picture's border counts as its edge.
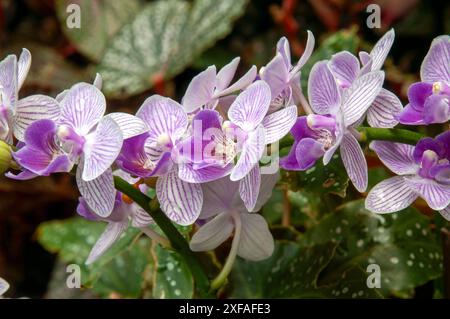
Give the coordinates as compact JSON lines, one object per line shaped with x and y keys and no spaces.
{"x":276,"y":74}
{"x":84,"y":211}
{"x":242,"y":83}
{"x":99,"y":194}
{"x":323,"y":92}
{"x":366,"y":61}
{"x":213,"y":233}
{"x":111,"y":234}
{"x":441,"y":173}
{"x":445,"y":213}
{"x":103,"y":149}
{"x":278,"y":124}
{"x":4,"y":286}
{"x":338,"y":140}
{"x":391,"y":195}
{"x":285,"y":51}
{"x":8,"y":79}
{"x":226,"y":74}
{"x":250,"y":107}
{"x":164,"y":117}
{"x":201,"y":89}
{"x":397,"y":157}
{"x":303,"y":155}
{"x":436,"y":195}
{"x":381,"y":49}
{"x":309,"y":48}
{"x":436,"y":109}
{"x":384,"y":109}
{"x":249,"y":188}
{"x":361,"y":94}
{"x":98,"y":81}
{"x":82,"y":107}
{"x":410,"y":116}
{"x":181,"y":201}
{"x":252,"y":152}
{"x":23,"y":66}
{"x":256,"y":242}
{"x":130,"y":125}
{"x":418,"y":93}
{"x":139,"y":217}
{"x":190,"y":174}
{"x":31,"y":109}
{"x":22,"y":176}
{"x":345,"y":68}
{"x":354,"y":162}
{"x":435,"y":64}
{"x":444,"y":139}
{"x":219,"y":196}
{"x":426,"y":144}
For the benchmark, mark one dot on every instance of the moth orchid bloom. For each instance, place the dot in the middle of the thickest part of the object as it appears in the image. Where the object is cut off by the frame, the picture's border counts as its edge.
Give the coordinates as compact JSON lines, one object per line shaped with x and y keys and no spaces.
{"x":16,"y":115}
{"x":254,"y":129}
{"x":429,"y":100}
{"x":118,"y":222}
{"x":284,"y":78}
{"x":155,"y":153}
{"x":225,"y":214}
{"x":423,"y":171}
{"x":321,"y":134}
{"x":209,"y":86}
{"x":4,"y":286}
{"x":346,"y":69}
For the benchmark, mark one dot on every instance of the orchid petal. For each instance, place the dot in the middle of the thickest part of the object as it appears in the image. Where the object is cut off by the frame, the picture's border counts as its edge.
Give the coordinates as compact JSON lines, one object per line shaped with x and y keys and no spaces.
{"x":309,"y":48}
{"x":436,"y":195}
{"x":249,"y":188}
{"x":181,"y":201}
{"x":4,"y":286}
{"x":381,"y":49}
{"x":435,"y":65}
{"x":213,"y":233}
{"x":399,"y":158}
{"x":23,"y":66}
{"x":242,"y":83}
{"x":278,"y":124}
{"x":445,"y":213}
{"x":285,"y":51}
{"x":323,"y":92}
{"x":276,"y":74}
{"x":391,"y":195}
{"x":98,"y":81}
{"x":250,"y":107}
{"x":410,"y":116}
{"x":139,"y":217}
{"x":354,"y":162}
{"x":8,"y":79}
{"x":218,"y":196}
{"x":107,"y":239}
{"x":345,"y":68}
{"x":384,"y":110}
{"x":268,"y":182}
{"x":360,"y":95}
{"x":203,"y":175}
{"x":130,"y":125}
{"x":22,"y":176}
{"x":256,"y":241}
{"x":226,"y":74}
{"x":201,"y":89}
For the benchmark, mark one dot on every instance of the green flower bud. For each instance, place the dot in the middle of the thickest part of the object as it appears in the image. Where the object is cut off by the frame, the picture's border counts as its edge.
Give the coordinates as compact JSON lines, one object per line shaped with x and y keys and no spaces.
{"x":5,"y":157}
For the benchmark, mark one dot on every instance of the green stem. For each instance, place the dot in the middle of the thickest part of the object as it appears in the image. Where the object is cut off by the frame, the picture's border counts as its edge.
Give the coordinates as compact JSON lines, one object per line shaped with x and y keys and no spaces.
{"x":389,"y":134}
{"x":176,"y":239}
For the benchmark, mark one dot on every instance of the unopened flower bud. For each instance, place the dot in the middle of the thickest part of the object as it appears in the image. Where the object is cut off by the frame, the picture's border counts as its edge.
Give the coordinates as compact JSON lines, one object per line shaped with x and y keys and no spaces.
{"x":5,"y":157}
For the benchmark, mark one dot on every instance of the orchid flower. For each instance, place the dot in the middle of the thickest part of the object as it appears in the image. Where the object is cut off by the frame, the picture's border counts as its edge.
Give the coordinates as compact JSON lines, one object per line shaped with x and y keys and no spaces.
{"x":254,"y":130}
{"x":209,"y":86}
{"x":118,"y":221}
{"x":321,"y":134}
{"x":226,"y":213}
{"x":284,"y":78}
{"x":429,"y":100}
{"x":346,"y":69}
{"x":423,"y":171}
{"x":4,"y":286}
{"x":155,"y":153}
{"x":16,"y":115}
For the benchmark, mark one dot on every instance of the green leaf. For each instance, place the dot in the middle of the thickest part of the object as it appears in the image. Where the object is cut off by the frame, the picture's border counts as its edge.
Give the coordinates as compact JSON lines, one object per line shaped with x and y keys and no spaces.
{"x":292,"y":272}
{"x":118,"y":271}
{"x":164,"y":38}
{"x":320,"y":179}
{"x":400,"y":243}
{"x":172,"y":278}
{"x":99,"y":21}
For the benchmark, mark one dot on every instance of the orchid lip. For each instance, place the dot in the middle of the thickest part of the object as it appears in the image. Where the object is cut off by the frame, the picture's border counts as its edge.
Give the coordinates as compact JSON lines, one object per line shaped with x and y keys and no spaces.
{"x":67,"y":134}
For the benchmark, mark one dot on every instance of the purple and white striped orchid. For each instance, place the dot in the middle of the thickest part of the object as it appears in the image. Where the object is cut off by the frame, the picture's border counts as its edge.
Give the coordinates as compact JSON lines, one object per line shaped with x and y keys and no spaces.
{"x":321,"y":134}
{"x":225,"y":212}
{"x":423,"y":171}
{"x":4,"y":286}
{"x":429,"y":100}
{"x":17,"y":114}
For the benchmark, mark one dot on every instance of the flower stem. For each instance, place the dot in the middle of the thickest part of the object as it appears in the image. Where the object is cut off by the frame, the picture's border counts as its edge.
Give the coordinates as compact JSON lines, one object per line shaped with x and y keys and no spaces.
{"x":177,"y":241}
{"x":163,"y":241}
{"x":389,"y":134}
{"x":223,"y":275}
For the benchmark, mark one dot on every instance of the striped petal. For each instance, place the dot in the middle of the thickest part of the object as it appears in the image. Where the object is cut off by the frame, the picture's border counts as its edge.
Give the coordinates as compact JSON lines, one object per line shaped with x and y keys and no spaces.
{"x":82,"y":107}
{"x":345,"y":68}
{"x":256,"y":242}
{"x":181,"y":201}
{"x":445,"y":213}
{"x":323,"y":91}
{"x":213,"y":233}
{"x":279,"y":124}
{"x":360,"y":95}
{"x":436,"y":195}
{"x":250,"y":107}
{"x":252,"y":152}
{"x":354,"y":162}
{"x":276,"y":74}
{"x":201,"y":89}
{"x":226,"y":74}
{"x":381,"y":49}
{"x":396,"y":156}
{"x":8,"y":80}
{"x":203,"y":175}
{"x":309,"y":48}
{"x":31,"y":109}
{"x":107,"y":239}
{"x":219,"y":196}
{"x":4,"y":286}
{"x":23,"y":66}
{"x":130,"y":125}
{"x":435,"y":65}
{"x":99,"y":194}
{"x":242,"y":83}
{"x":384,"y":110}
{"x":139,"y":217}
{"x":391,"y":195}
{"x":102,"y":149}
{"x":249,"y":188}
{"x":163,"y":116}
